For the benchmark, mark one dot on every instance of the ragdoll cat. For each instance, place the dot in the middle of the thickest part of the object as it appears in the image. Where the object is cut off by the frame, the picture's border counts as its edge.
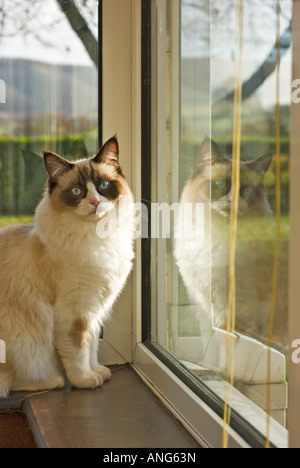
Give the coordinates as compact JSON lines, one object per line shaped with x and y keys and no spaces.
{"x":202,"y":251}
{"x":59,"y":278}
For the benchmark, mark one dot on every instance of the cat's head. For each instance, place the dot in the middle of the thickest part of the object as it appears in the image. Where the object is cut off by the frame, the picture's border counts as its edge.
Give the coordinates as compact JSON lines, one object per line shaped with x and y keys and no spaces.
{"x":211,"y":179}
{"x":88,"y":188}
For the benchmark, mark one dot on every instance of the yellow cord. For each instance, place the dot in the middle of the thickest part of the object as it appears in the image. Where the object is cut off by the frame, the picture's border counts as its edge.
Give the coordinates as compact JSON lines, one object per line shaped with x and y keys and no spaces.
{"x":278,"y":223}
{"x":235,"y":191}
{"x":230,"y":346}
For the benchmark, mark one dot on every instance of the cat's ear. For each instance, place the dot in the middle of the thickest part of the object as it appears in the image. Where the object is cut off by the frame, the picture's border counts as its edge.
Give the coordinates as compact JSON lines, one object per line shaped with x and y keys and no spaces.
{"x":56,"y":165}
{"x":261,"y":164}
{"x":109,"y":153}
{"x":209,"y":153}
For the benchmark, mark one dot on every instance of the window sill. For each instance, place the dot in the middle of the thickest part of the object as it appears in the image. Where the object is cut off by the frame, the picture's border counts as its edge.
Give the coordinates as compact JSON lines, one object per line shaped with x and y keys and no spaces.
{"x":123,"y":413}
{"x":198,"y":416}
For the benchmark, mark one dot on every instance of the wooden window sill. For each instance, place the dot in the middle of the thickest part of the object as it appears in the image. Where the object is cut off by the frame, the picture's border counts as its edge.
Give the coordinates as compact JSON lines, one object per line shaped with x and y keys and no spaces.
{"x":123,"y":413}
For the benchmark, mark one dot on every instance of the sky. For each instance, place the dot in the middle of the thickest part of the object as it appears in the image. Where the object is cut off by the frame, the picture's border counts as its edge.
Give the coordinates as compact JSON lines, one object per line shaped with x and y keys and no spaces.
{"x":216,"y":38}
{"x":58,"y":42}
{"x":212,"y":30}
{"x":200,"y":37}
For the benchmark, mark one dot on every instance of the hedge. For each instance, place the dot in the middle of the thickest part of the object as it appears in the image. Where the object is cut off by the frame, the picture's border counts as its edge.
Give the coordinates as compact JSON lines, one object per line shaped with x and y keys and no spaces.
{"x":23,"y":176}
{"x":22,"y":171}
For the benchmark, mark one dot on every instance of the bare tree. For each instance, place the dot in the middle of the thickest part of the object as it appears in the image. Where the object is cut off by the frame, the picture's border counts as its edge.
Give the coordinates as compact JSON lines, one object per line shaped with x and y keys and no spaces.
{"x":266,"y":68}
{"x":27,"y":18}
{"x":218,"y":17}
{"x":81,"y":28}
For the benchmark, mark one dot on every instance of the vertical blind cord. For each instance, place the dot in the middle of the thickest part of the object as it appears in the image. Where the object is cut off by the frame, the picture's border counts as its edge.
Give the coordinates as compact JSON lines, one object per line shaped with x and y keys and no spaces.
{"x":278,"y":222}
{"x":235,"y":191}
{"x":237,"y":120}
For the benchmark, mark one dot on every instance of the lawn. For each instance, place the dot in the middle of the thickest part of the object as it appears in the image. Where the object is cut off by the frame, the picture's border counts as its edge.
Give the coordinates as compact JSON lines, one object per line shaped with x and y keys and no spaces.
{"x":254,"y":269}
{"x":7,"y":220}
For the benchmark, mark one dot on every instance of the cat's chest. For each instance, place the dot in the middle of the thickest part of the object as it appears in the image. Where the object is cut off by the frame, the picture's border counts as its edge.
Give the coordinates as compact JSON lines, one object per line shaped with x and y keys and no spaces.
{"x":97,"y":276}
{"x":104,"y":258}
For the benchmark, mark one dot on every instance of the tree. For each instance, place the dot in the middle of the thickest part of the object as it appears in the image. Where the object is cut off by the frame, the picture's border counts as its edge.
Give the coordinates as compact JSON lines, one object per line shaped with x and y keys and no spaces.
{"x":219,"y":16}
{"x":266,"y":68}
{"x":81,"y":28}
{"x":32,"y":18}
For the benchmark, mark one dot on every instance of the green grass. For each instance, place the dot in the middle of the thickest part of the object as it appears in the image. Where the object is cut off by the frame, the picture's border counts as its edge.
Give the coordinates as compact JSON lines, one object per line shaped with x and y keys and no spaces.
{"x":8,"y":220}
{"x":256,"y":242}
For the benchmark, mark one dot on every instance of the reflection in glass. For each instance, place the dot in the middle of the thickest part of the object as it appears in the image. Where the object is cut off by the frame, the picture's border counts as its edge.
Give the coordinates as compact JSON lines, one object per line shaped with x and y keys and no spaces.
{"x":190,"y":301}
{"x":213,"y":54}
{"x":204,"y":265}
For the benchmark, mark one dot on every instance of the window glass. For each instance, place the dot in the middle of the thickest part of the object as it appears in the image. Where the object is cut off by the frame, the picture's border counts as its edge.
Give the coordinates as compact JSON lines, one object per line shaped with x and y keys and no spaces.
{"x":49,"y":94}
{"x":194,"y":67}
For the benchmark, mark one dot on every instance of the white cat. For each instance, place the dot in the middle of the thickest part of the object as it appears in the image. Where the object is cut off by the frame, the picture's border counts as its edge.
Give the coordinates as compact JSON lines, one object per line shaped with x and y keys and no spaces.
{"x":59,"y":278}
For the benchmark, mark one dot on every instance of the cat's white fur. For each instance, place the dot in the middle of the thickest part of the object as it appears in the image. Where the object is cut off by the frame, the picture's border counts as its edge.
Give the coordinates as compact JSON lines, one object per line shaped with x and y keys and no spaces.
{"x":59,"y":281}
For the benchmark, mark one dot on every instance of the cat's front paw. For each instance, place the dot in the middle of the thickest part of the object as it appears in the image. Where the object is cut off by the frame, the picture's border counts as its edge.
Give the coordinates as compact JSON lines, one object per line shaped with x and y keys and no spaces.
{"x":103,"y":371}
{"x":87,"y":379}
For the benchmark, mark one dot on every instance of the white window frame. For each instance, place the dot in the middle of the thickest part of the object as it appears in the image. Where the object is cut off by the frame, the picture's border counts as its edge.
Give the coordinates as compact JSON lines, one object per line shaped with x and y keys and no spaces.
{"x":122,"y":334}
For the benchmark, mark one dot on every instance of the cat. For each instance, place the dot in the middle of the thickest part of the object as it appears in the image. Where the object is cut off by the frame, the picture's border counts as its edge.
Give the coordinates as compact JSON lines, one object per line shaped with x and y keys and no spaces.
{"x":202,"y":255}
{"x":59,"y":278}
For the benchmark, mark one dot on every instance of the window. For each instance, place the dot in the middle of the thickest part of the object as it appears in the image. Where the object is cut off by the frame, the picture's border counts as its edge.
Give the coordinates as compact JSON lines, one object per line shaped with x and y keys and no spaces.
{"x":192,"y":71}
{"x":49,"y":94}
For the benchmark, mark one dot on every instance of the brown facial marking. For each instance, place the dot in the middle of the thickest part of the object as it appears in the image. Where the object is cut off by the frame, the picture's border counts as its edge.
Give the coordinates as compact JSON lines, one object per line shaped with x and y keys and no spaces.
{"x":84,"y":173}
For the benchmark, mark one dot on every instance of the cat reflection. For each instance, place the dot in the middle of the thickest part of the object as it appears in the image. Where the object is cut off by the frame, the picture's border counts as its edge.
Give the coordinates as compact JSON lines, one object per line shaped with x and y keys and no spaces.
{"x":204,"y":265}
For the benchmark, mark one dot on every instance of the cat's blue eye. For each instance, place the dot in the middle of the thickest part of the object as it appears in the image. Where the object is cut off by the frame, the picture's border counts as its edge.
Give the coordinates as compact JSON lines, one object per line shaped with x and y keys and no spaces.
{"x":104,"y":185}
{"x":220,"y":185}
{"x":247,"y":192}
{"x":76,"y":191}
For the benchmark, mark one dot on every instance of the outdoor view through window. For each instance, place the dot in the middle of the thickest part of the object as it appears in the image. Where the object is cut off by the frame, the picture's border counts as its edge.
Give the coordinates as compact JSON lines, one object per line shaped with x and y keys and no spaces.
{"x":48,"y":68}
{"x":194,"y":91}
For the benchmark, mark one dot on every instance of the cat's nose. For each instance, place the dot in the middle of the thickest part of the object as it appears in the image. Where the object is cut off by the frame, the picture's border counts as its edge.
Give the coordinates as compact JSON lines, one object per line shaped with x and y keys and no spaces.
{"x":95,"y":202}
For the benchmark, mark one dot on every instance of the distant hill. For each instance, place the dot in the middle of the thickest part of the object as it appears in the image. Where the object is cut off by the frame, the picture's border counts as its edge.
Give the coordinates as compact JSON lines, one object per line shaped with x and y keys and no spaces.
{"x":34,"y":88}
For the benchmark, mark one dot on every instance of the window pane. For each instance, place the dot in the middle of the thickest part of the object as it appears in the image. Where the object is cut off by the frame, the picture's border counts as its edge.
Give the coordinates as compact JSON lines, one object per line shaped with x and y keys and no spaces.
{"x":193,"y":74}
{"x":49,"y":99}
